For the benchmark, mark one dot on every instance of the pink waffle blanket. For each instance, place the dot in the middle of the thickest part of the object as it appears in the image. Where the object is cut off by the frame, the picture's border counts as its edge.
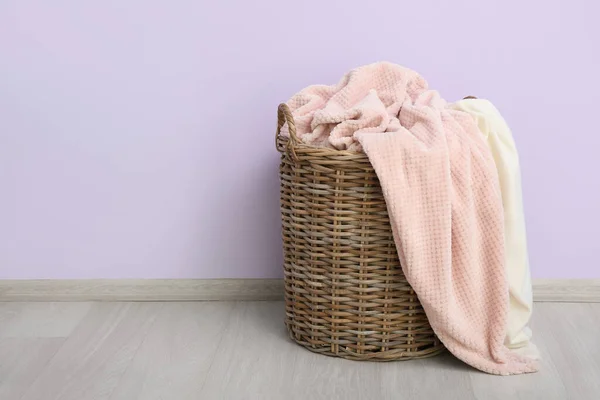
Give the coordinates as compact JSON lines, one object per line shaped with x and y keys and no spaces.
{"x":441,"y":187}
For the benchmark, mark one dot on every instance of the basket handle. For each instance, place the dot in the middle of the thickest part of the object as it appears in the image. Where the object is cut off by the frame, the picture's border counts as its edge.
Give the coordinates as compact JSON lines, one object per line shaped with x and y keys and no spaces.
{"x":284,"y":114}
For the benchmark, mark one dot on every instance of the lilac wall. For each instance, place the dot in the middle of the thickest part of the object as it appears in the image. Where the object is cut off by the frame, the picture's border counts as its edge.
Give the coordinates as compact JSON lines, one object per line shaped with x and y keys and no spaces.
{"x":136,"y":137}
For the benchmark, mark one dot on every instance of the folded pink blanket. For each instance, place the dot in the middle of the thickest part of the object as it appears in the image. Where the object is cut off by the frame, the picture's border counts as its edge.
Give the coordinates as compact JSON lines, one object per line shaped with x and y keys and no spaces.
{"x":441,"y":187}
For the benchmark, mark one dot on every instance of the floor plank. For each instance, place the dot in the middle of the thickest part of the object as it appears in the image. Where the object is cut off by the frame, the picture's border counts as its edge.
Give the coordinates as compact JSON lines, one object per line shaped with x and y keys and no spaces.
{"x":94,"y":357}
{"x":428,"y":379}
{"x":21,"y":361}
{"x":252,"y":359}
{"x":40,"y":319}
{"x":571,"y":336}
{"x":174,"y":359}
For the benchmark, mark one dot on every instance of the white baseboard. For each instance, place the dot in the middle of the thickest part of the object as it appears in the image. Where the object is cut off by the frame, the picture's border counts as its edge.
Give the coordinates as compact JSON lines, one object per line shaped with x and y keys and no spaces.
{"x":567,"y":290}
{"x":544,"y":290}
{"x":141,"y":290}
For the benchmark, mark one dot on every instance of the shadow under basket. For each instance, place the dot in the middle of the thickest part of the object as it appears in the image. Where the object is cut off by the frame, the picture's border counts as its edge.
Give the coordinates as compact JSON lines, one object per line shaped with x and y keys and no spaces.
{"x":345,"y":292}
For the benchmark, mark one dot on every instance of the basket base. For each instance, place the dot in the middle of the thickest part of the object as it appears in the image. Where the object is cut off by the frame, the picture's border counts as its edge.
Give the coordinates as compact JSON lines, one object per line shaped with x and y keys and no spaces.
{"x":377,"y":356}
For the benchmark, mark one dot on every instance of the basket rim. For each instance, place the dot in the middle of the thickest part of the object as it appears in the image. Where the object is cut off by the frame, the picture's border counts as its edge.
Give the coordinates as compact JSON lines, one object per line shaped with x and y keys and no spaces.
{"x":301,"y":151}
{"x":292,"y":144}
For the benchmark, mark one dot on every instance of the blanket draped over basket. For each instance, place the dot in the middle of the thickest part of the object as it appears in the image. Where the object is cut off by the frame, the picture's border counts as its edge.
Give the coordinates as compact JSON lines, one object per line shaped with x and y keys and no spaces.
{"x":443,"y":199}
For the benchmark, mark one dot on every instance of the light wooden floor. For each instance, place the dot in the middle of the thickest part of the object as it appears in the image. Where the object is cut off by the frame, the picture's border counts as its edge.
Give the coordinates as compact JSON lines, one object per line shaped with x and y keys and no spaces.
{"x":127,"y":351}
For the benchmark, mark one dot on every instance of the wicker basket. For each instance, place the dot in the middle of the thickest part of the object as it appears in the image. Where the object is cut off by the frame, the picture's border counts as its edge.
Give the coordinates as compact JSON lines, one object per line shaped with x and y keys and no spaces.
{"x":345,"y":293}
